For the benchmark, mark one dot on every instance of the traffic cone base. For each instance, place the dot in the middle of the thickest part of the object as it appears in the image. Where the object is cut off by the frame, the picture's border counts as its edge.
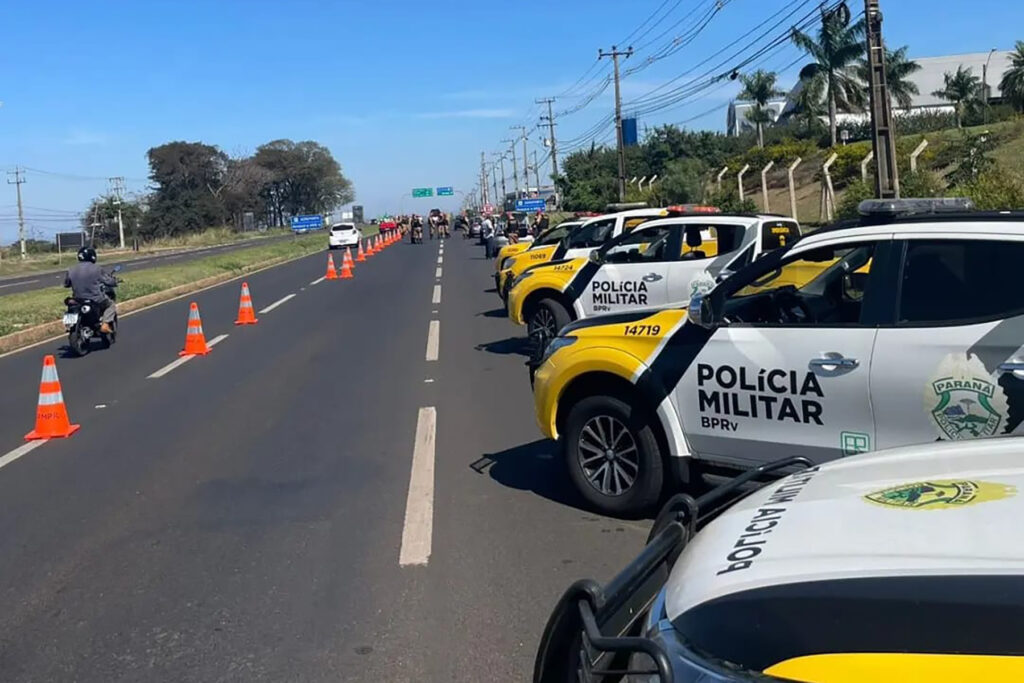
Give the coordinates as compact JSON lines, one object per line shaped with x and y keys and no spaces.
{"x":195,"y":341}
{"x":346,"y":270}
{"x":51,"y":414}
{"x":246,"y":314}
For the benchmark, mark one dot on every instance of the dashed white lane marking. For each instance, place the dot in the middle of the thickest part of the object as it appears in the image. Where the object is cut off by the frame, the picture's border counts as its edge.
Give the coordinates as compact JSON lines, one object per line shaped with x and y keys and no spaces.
{"x":433,"y":339}
{"x":26,"y":448}
{"x":428,"y":381}
{"x":277,"y":303}
{"x":15,"y":284}
{"x":318,"y":280}
{"x":419,"y":505}
{"x":437,"y":295}
{"x":437,"y":274}
{"x":440,"y":260}
{"x":184,"y":359}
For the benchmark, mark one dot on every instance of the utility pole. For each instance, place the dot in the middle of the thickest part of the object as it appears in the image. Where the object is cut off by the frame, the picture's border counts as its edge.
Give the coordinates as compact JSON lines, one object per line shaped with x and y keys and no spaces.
{"x":550,"y":118}
{"x":117,"y":192}
{"x":615,"y":54}
{"x":483,"y":179}
{"x":515,"y":170}
{"x":19,"y":178}
{"x":536,"y":171}
{"x":526,"y":167}
{"x":887,"y":181}
{"x":504,"y":192}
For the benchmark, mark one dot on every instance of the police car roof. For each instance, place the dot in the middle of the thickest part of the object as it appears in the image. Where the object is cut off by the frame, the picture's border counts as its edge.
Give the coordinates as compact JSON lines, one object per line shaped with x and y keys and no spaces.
{"x":628,"y":214}
{"x":939,"y":509}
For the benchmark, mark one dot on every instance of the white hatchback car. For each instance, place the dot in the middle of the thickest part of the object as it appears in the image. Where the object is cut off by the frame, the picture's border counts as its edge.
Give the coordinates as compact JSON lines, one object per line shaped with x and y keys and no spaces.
{"x":343,"y":235}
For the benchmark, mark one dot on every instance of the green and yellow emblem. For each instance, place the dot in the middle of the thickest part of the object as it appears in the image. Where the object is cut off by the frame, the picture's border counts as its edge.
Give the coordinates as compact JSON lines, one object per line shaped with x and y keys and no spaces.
{"x":963,"y":400}
{"x":941,"y":494}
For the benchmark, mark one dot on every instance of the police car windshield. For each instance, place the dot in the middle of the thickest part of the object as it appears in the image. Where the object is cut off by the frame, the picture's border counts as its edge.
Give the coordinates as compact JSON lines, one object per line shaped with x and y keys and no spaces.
{"x":555,"y":234}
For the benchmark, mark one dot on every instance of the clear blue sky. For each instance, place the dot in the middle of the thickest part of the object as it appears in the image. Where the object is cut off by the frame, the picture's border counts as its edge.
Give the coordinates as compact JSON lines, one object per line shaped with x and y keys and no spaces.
{"x":404,"y":93}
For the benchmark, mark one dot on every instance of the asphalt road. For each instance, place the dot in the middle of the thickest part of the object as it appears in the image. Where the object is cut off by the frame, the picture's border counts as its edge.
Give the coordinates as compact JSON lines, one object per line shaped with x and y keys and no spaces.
{"x":55,"y":278}
{"x":316,"y":500}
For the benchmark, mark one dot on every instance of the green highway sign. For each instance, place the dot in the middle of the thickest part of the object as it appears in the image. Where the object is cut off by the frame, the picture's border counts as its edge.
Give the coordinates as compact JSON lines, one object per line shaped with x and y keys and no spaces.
{"x":422,"y":192}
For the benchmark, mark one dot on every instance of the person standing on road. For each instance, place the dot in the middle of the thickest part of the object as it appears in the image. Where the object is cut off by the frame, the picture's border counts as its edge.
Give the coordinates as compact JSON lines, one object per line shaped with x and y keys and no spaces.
{"x":542,"y":223}
{"x":487,"y":234}
{"x":86,"y":280}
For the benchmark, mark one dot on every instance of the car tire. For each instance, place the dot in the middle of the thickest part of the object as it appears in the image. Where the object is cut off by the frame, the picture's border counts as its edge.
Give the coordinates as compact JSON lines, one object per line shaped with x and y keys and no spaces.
{"x":543,"y":323}
{"x":629,"y":432}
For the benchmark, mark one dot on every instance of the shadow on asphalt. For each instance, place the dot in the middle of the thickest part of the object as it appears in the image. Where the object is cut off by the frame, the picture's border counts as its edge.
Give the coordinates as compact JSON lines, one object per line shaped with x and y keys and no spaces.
{"x":534,"y":467}
{"x":513,"y":346}
{"x":495,"y":312}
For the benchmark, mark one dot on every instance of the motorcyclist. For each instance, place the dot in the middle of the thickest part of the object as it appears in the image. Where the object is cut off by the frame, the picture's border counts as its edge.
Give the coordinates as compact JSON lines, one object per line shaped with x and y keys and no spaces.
{"x":87,"y":280}
{"x":416,"y":227}
{"x":442,"y":226}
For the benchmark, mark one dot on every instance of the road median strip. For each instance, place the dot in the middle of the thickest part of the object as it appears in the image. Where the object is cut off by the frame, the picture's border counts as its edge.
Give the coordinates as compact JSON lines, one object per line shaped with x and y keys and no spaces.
{"x":144,"y":288}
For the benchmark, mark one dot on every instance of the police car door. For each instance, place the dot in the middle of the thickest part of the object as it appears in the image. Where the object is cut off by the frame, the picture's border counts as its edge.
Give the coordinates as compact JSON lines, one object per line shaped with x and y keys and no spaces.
{"x":633,"y":273}
{"x":952,"y":365}
{"x":707,"y":247}
{"x":787,"y":372}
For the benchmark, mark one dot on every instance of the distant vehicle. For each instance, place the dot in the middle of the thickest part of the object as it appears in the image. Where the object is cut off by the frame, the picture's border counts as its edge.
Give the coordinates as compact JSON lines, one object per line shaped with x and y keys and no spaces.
{"x":343,"y":235}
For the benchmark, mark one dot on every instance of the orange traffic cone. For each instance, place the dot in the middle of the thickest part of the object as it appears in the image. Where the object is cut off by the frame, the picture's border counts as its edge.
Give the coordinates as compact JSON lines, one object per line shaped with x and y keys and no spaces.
{"x":360,"y":256}
{"x":51,"y":414}
{"x":246,"y":314}
{"x":346,"y":268}
{"x":332,"y":274}
{"x":369,"y":247}
{"x":348,"y":258}
{"x":195,"y":342}
{"x":378,"y":247}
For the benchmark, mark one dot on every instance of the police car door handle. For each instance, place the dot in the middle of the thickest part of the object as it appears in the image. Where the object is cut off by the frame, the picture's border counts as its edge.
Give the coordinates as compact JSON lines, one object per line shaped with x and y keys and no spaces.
{"x":651,"y":277}
{"x":1012,"y":366}
{"x":837,"y":363}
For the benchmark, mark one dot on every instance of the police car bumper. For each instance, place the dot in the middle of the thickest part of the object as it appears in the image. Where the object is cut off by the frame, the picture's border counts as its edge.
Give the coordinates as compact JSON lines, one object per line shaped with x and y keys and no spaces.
{"x":545,"y":402}
{"x":621,"y":631}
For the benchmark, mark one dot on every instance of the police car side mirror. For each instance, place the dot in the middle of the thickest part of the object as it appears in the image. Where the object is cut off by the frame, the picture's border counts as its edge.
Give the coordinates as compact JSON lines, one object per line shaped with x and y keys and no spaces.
{"x":700,"y":312}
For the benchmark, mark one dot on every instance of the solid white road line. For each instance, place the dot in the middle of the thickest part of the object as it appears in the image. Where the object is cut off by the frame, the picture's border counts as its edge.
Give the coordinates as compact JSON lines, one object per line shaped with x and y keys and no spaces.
{"x":277,"y":303}
{"x":184,"y":359}
{"x":25,"y":448}
{"x":318,"y":280}
{"x":437,"y":295}
{"x":438,"y":273}
{"x":419,"y":505}
{"x":433,"y":339}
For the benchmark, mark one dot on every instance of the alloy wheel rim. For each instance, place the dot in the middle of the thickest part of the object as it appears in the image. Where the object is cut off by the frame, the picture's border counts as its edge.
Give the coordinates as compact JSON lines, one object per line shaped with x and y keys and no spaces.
{"x":608,"y":455}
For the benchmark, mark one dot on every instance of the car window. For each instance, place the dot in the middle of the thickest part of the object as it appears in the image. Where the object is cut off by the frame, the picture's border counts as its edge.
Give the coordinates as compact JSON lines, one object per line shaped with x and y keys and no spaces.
{"x":707,"y":240}
{"x":949,"y":282}
{"x":641,"y":246}
{"x":593,"y":235}
{"x":631,"y":223}
{"x":778,"y":234}
{"x":822,"y":286}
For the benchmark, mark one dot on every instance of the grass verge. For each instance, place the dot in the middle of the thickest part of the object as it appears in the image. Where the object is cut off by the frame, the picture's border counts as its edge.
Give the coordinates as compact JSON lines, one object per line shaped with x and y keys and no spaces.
{"x":28,"y":317}
{"x":37,"y":263}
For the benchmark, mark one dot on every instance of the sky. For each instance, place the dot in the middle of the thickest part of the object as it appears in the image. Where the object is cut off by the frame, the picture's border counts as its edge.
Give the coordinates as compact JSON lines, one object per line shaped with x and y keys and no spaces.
{"x":404,"y":94}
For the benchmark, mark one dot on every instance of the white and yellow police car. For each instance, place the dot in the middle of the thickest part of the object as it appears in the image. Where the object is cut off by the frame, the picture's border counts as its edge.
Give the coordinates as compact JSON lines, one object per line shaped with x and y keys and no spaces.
{"x":901,"y":565}
{"x":506,"y":255}
{"x":580,"y":241}
{"x":661,"y":262}
{"x":901,"y":329}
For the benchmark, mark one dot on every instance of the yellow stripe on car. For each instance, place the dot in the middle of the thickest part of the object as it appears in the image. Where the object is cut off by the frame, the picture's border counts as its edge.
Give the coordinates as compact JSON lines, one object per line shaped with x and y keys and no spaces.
{"x":549,"y":281}
{"x":895,"y":667}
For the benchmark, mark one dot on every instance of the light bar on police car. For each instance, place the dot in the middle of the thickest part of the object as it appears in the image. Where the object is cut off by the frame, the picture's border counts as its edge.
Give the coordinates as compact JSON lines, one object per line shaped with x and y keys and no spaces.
{"x":885,"y":208}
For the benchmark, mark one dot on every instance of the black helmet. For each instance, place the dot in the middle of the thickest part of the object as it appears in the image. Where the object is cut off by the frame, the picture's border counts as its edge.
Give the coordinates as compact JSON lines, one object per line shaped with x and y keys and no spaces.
{"x":87,"y":254}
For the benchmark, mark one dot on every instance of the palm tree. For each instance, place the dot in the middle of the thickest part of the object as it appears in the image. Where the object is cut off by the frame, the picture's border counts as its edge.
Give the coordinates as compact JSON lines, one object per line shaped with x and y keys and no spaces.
{"x":897,"y":71}
{"x":959,"y":88}
{"x":1012,"y":84}
{"x":807,"y":107}
{"x":835,"y":52}
{"x":759,"y":87}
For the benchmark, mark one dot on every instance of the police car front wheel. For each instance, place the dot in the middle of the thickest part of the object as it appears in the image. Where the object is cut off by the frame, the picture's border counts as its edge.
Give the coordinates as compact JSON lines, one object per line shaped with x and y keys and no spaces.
{"x":612,"y":456}
{"x":543,"y":323}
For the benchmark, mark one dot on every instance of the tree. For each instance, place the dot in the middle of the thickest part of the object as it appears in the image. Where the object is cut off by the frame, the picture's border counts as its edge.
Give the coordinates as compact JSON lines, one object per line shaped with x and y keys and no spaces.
{"x":759,"y":87}
{"x":960,"y":88}
{"x":102,"y":212}
{"x":188,"y":178}
{"x":835,"y":52}
{"x":807,"y":107}
{"x":897,"y":76}
{"x":1012,"y":83}
{"x":304,"y":178}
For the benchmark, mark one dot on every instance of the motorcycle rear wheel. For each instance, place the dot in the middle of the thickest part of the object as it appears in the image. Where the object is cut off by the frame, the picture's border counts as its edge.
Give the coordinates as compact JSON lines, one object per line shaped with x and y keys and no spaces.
{"x":78,"y":344}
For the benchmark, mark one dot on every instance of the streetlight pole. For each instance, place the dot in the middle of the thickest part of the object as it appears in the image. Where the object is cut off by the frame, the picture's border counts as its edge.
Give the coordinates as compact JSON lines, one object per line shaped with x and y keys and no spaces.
{"x":984,"y":81}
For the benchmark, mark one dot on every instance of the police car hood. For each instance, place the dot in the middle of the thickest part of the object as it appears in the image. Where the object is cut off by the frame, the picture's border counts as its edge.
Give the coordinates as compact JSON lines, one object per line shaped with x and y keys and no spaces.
{"x":936,"y":509}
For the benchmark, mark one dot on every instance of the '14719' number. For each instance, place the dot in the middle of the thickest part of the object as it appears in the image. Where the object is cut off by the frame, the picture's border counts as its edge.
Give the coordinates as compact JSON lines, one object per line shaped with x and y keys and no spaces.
{"x":642,"y":330}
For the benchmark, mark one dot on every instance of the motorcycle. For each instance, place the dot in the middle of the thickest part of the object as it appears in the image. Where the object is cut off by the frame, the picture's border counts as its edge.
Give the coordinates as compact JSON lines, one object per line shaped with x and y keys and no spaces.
{"x":82,"y":321}
{"x":417,"y":235}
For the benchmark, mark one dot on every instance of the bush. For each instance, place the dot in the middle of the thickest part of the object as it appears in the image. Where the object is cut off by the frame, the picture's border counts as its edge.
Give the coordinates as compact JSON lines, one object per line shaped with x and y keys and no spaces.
{"x":994,"y":190}
{"x":851,"y":198}
{"x":728,"y":200}
{"x":847,"y":164}
{"x":921,"y":184}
